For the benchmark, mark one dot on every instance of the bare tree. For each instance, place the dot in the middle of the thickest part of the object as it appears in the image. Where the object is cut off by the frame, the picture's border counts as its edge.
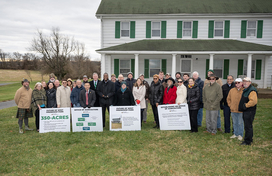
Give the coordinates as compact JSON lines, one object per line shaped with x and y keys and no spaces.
{"x":56,"y":50}
{"x":3,"y":57}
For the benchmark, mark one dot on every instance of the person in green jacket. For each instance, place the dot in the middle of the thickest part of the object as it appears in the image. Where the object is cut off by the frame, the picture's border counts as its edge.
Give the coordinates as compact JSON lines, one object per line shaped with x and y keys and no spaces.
{"x":212,"y":95}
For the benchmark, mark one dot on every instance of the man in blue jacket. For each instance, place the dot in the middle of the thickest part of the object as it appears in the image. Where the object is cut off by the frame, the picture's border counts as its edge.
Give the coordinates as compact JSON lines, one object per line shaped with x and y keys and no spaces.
{"x":76,"y":93}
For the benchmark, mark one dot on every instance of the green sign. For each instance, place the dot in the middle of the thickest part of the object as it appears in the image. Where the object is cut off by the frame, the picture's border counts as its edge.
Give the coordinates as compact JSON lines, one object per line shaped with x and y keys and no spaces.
{"x":81,"y":119}
{"x":79,"y":124}
{"x":92,"y":124}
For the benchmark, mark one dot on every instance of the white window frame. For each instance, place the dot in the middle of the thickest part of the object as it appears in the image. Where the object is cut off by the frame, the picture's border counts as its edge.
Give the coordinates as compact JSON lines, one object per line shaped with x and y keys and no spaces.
{"x":219,"y":29}
{"x":155,"y":29}
{"x":253,"y":70}
{"x":150,"y":76}
{"x":180,"y":64}
{"x":124,"y":68}
{"x":125,"y":29}
{"x":222,"y":72}
{"x":255,"y":36}
{"x":191,"y":29}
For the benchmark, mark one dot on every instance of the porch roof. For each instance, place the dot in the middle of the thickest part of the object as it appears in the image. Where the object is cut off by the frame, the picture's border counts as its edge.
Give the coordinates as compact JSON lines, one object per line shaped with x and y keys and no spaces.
{"x":180,"y":45}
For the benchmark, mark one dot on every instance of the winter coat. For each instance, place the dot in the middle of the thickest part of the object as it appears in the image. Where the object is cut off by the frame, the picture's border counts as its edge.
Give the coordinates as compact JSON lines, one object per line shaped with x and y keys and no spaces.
{"x":185,"y":83}
{"x":38,"y":98}
{"x":75,"y":94}
{"x":249,"y":99}
{"x":181,"y":94}
{"x":117,"y":85}
{"x":212,"y":95}
{"x":139,"y":94}
{"x":234,"y":98}
{"x":96,"y":104}
{"x":123,"y":99}
{"x":225,"y":90}
{"x":23,"y":97}
{"x":51,"y":98}
{"x":155,"y":93}
{"x":170,"y":96}
{"x":193,"y":97}
{"x":130,"y":83}
{"x":200,"y":85}
{"x":108,"y":90}
{"x":91,"y":98}
{"x":63,"y":96}
{"x":147,"y":89}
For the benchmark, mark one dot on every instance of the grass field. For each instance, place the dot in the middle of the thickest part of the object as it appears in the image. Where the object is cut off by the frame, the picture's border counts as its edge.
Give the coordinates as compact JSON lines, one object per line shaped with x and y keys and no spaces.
{"x":146,"y":152}
{"x":18,"y":75}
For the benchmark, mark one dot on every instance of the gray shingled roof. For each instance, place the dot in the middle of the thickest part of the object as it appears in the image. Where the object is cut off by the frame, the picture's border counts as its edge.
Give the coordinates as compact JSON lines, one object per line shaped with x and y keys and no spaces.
{"x":183,"y":6}
{"x":188,"y":45}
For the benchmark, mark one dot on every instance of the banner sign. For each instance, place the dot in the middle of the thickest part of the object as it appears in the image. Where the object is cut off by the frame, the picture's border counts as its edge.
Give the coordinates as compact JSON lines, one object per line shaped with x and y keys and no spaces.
{"x":54,"y":120}
{"x":87,"y":119}
{"x":174,"y":117}
{"x":125,"y":118}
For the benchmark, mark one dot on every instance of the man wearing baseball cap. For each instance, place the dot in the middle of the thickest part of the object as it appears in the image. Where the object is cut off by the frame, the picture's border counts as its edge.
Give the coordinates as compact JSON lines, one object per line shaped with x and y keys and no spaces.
{"x":248,"y":105}
{"x":233,"y":99}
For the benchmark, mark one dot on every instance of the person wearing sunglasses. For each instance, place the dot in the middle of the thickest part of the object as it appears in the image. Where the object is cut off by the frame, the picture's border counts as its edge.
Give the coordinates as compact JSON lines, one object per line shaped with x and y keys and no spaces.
{"x":212,"y":95}
{"x":233,"y":100}
{"x":181,"y":92}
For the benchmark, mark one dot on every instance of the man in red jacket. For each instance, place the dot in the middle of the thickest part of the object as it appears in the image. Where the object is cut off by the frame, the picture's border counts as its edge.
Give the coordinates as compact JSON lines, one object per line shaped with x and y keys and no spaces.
{"x":170,"y":95}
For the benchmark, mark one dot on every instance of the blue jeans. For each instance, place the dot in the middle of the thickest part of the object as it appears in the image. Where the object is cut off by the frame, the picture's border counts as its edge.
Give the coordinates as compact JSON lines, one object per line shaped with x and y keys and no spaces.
{"x":238,"y":123}
{"x":76,"y":105}
{"x":218,"y":120}
{"x":200,"y":117}
{"x":226,"y":119}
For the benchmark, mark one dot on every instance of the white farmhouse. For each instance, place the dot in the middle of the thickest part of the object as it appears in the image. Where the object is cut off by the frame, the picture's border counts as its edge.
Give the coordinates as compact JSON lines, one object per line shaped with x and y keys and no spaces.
{"x":232,"y":37}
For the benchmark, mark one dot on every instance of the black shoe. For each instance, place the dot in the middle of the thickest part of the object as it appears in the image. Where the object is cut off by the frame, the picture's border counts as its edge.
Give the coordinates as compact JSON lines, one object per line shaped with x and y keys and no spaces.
{"x":244,"y":143}
{"x":155,"y":126}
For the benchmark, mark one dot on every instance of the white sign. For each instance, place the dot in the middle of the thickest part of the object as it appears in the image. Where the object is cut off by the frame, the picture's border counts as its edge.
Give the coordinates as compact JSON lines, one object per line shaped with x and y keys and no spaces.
{"x":125,"y":118}
{"x":88,"y":119}
{"x":174,"y":117}
{"x":54,"y":120}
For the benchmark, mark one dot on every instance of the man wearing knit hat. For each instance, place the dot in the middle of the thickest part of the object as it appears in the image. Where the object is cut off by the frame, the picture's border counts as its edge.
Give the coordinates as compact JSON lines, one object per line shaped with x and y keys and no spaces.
{"x":130,"y":80}
{"x":23,"y":100}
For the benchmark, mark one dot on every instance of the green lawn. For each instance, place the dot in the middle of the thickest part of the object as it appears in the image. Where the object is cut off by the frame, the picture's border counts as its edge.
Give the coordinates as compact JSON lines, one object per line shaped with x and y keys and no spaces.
{"x":146,"y":152}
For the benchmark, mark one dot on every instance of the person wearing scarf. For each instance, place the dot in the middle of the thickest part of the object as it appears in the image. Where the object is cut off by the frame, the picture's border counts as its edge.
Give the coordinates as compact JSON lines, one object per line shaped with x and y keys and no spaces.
{"x":123,"y":96}
{"x":170,"y":95}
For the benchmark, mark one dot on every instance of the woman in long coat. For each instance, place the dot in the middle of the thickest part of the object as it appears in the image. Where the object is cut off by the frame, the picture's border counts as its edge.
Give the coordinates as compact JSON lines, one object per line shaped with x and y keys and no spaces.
{"x":51,"y":95}
{"x":138,"y":92}
{"x":181,"y":92}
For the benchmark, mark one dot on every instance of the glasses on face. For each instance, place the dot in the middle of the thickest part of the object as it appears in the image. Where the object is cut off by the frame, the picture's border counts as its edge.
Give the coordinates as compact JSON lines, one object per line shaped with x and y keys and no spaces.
{"x":237,"y":82}
{"x":155,"y":78}
{"x":64,"y":82}
{"x":179,"y":81}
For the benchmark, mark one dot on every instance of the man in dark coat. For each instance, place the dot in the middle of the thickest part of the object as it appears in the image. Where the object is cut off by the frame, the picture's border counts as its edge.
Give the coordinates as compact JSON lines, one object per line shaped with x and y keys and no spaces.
{"x":87,"y":96}
{"x":161,"y":77}
{"x":186,"y":76}
{"x":224,"y":105}
{"x":94,"y":83}
{"x":200,"y":85}
{"x":105,"y":91}
{"x":130,"y":80}
{"x":75,"y":94}
{"x":178,"y":76}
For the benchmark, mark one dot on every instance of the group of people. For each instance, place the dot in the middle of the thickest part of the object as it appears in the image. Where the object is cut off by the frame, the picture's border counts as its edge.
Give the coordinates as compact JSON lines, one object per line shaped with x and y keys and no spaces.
{"x":237,"y":98}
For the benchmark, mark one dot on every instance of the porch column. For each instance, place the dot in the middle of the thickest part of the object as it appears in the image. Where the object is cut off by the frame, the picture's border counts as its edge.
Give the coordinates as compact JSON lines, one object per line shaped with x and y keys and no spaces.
{"x":103,"y":68}
{"x":211,"y":62}
{"x":136,"y":74}
{"x":174,"y":60}
{"x":266,"y":71}
{"x":109,"y":63}
{"x":249,"y":65}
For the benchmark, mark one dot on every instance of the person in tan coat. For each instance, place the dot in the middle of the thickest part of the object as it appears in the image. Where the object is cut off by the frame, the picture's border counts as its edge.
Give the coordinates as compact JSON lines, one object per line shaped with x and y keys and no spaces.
{"x":181,"y":92}
{"x":63,"y":95}
{"x":23,"y":100}
{"x":138,"y":92}
{"x":233,"y":100}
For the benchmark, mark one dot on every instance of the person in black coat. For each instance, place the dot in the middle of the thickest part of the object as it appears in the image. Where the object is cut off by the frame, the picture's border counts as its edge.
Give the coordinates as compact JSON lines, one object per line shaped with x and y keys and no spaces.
{"x":83,"y":97}
{"x":118,"y":82}
{"x":193,"y":103}
{"x":155,"y":96}
{"x":200,"y":85}
{"x":124,"y":97}
{"x":223,"y":103}
{"x":105,"y":92}
{"x":130,"y":80}
{"x":94,"y":83}
{"x":51,"y":95}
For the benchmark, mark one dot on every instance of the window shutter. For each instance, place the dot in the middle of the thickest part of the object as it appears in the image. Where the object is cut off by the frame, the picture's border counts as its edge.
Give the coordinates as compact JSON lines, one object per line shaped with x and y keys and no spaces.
{"x":243,"y":28}
{"x":116,"y":67}
{"x":195,"y":29}
{"x":258,"y":69}
{"x":227,"y":29}
{"x":148,"y":29}
{"x":163,"y":29}
{"x":260,"y":29}
{"x":117,"y":29}
{"x":211,"y":29}
{"x":132,"y":29}
{"x":179,"y":30}
{"x":226,"y":68}
{"x":207,"y":67}
{"x":132,"y":67}
{"x":146,"y":68}
{"x":240,"y":67}
{"x":164,"y":64}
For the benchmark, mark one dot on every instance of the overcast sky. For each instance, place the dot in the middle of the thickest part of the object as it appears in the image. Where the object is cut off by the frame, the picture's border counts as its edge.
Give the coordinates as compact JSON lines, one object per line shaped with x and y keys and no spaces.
{"x":20,"y":19}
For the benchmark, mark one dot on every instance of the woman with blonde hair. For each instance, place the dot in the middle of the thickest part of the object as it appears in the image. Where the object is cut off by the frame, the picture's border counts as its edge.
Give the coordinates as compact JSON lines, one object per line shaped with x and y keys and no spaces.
{"x":39,"y":101}
{"x":138,"y":92}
